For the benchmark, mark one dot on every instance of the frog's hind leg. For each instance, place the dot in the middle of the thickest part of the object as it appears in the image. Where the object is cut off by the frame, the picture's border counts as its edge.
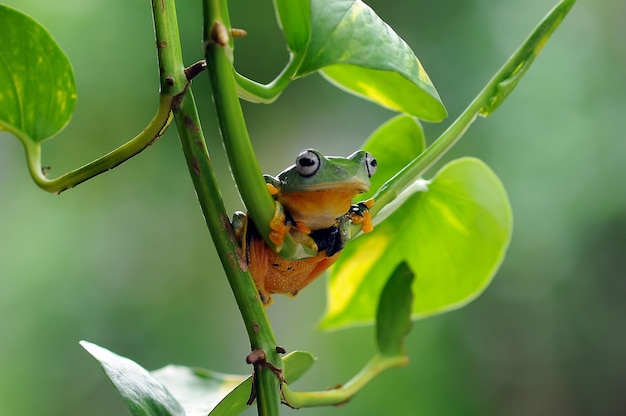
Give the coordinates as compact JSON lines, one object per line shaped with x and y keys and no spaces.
{"x":319,"y":268}
{"x":258,"y":256}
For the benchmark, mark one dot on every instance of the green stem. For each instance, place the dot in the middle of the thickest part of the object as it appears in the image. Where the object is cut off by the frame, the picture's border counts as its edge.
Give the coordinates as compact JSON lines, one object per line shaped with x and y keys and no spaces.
{"x":242,"y":159}
{"x":373,"y":368}
{"x":260,"y":204}
{"x":153,"y":131}
{"x":241,"y":156}
{"x":267,"y":93}
{"x":201,"y":170}
{"x":485,"y":103}
{"x":203,"y":177}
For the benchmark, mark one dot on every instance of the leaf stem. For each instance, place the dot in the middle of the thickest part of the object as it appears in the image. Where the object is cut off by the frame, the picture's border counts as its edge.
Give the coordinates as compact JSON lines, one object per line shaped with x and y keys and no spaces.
{"x":485,"y":103}
{"x":149,"y":135}
{"x":173,"y":82}
{"x":267,"y":93}
{"x":373,"y":368}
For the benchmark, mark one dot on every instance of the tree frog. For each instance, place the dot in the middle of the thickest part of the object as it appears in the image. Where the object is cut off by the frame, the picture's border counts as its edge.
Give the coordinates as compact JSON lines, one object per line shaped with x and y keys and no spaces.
{"x":314,"y":205}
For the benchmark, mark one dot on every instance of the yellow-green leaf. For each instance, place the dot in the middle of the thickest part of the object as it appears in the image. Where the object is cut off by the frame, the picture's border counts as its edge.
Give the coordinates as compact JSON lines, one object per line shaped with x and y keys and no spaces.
{"x":453,"y":237}
{"x":394,"y":145}
{"x":358,"y":51}
{"x":37,"y":91}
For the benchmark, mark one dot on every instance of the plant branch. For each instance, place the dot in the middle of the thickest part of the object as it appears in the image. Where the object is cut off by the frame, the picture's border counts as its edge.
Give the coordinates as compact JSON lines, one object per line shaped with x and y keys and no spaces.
{"x":241,"y":156}
{"x":267,"y":93}
{"x":204,"y":181}
{"x":149,"y":135}
{"x":218,"y":54}
{"x":485,"y":103}
{"x":373,"y":368}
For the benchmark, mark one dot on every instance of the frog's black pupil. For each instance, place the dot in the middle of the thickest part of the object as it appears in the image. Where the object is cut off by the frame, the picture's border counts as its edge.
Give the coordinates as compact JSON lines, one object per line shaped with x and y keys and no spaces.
{"x":371,"y":165}
{"x":307,"y":162}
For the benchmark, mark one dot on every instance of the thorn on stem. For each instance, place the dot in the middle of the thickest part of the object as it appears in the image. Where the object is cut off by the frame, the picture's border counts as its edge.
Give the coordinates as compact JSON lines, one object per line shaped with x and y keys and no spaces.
{"x":238,"y":33}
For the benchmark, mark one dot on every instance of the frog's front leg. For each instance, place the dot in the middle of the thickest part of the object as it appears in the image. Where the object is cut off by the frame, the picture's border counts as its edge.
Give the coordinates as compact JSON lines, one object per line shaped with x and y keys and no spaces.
{"x":279,"y":225}
{"x":360,"y":214}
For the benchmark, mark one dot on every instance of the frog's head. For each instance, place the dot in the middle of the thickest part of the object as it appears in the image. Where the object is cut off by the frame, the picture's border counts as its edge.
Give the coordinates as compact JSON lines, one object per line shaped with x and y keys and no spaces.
{"x":315,"y":172}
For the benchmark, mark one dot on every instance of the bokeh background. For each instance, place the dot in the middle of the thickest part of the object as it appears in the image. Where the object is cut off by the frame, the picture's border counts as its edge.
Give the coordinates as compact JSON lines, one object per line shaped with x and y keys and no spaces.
{"x":124,"y":260}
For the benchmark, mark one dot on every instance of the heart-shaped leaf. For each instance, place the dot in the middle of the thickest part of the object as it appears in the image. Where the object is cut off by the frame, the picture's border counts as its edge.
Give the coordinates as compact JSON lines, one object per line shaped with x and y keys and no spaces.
{"x":359,"y":52}
{"x":453,"y":237}
{"x":37,"y":91}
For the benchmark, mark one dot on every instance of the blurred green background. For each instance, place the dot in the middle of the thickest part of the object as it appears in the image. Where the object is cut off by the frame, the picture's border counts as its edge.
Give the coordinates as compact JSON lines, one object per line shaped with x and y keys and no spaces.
{"x":124,"y":260}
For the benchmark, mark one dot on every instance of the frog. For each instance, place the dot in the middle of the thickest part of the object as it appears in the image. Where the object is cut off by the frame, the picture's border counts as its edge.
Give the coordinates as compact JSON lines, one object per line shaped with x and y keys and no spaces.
{"x":314,"y":205}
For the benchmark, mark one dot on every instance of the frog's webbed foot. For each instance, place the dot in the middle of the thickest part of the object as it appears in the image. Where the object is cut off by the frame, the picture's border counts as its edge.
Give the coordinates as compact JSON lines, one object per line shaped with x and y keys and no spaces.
{"x":278,"y":225}
{"x":360,"y":214}
{"x":282,"y":224}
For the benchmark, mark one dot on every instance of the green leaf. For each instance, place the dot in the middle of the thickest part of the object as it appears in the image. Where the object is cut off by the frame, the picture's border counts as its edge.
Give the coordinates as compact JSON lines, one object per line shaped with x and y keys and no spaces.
{"x":142,"y":394}
{"x":359,"y":52}
{"x":393,"y":319}
{"x":394,"y":145}
{"x":294,"y":17}
{"x":296,"y":364}
{"x":37,"y":88}
{"x":453,"y":237}
{"x":197,"y":390}
{"x":180,"y":390}
{"x":411,"y":94}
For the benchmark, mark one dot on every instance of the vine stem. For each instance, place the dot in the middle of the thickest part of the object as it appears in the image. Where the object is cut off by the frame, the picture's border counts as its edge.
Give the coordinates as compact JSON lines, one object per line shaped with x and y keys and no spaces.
{"x":257,"y":325}
{"x":218,"y":45}
{"x":338,"y":396}
{"x":267,"y":93}
{"x":136,"y":145}
{"x":485,"y":103}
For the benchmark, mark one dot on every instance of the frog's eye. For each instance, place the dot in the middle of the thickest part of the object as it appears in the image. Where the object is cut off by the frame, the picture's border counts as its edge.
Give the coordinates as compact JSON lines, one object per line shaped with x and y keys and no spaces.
{"x":371,"y":164}
{"x":307,"y":163}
